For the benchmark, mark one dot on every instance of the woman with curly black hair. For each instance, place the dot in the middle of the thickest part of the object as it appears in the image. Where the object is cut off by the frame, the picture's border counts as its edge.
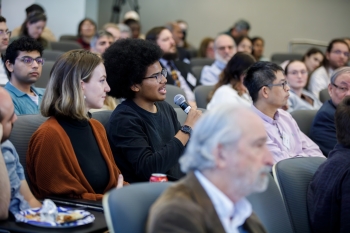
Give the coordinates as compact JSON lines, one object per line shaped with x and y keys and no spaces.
{"x":143,"y":131}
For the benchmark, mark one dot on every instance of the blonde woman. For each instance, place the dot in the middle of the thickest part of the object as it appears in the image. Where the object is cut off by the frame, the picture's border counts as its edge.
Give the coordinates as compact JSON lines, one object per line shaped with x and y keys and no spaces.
{"x":69,"y":155}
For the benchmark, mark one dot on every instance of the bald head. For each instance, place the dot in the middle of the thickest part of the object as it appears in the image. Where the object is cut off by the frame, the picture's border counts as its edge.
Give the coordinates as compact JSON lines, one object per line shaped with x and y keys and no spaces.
{"x":224,"y":47}
{"x":7,"y":114}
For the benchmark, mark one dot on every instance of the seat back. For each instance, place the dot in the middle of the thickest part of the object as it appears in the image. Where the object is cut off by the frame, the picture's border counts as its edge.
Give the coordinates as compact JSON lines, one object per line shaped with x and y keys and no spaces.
{"x":68,"y":38}
{"x":201,"y":94}
{"x":51,"y":55}
{"x":270,"y":209}
{"x":171,"y":92}
{"x":278,"y":58}
{"x":126,"y":209}
{"x":201,"y":61}
{"x":197,"y":71}
{"x":45,"y":74}
{"x":324,"y":95}
{"x":102,"y":116}
{"x":65,"y":45}
{"x":293,"y":177}
{"x":304,"y":119}
{"x":22,"y":131}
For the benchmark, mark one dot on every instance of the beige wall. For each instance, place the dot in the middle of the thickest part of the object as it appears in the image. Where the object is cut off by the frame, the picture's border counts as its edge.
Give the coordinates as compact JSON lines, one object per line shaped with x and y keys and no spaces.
{"x":277,"y":21}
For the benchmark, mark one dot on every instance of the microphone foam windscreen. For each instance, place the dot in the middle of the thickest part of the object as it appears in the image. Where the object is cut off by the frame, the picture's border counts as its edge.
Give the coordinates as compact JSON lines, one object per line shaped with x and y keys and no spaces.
{"x":179,"y":99}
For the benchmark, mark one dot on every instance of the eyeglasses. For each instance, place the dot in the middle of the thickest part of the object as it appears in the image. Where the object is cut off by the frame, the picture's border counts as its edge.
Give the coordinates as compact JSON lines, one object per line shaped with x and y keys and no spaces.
{"x":284,"y":85}
{"x":29,"y":60}
{"x":296,"y":72}
{"x":5,"y":33}
{"x":341,"y":89}
{"x":338,"y":52}
{"x":159,"y":76}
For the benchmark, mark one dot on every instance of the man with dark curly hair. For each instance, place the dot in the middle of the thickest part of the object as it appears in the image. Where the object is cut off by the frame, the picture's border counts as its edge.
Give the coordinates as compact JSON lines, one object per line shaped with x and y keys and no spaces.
{"x":143,"y":131}
{"x":24,"y":62}
{"x":179,"y":72}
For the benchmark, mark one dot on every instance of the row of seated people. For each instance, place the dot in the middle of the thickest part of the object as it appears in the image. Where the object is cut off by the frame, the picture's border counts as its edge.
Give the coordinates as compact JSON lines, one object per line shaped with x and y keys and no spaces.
{"x":139,"y":132}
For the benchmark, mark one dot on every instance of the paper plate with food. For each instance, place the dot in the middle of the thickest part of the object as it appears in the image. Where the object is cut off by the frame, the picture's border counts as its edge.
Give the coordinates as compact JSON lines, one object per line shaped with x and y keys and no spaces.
{"x":58,"y":217}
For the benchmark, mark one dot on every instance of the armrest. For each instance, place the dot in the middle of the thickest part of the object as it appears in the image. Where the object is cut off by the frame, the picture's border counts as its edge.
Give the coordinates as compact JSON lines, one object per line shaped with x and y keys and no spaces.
{"x":79,"y":203}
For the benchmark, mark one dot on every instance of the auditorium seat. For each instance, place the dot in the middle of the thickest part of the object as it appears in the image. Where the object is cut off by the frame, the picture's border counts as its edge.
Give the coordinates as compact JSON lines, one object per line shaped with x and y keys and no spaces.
{"x":304,"y":119}
{"x":197,"y":71}
{"x":171,"y":92}
{"x":45,"y":74}
{"x":201,"y":94}
{"x":51,"y":55}
{"x":68,"y":38}
{"x":278,"y":58}
{"x":324,"y":95}
{"x":102,"y":116}
{"x":126,"y":209}
{"x":199,"y":61}
{"x":65,"y":46}
{"x":293,"y":177}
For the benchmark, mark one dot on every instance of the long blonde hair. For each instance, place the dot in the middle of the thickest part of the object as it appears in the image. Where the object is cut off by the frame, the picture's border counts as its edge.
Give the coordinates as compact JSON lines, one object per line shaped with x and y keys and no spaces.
{"x":64,"y":95}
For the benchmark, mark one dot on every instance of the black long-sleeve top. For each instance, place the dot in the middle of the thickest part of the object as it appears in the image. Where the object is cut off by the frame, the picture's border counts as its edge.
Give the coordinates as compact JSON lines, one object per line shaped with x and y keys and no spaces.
{"x":328,"y":196}
{"x":143,"y":142}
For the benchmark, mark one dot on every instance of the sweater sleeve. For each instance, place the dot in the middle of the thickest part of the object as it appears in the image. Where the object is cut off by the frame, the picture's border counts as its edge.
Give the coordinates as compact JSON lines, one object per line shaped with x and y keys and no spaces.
{"x":129,"y":136}
{"x":52,"y":166}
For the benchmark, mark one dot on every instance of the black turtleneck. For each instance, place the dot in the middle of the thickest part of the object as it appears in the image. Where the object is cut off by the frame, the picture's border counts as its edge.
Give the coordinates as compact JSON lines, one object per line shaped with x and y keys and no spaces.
{"x":87,"y":152}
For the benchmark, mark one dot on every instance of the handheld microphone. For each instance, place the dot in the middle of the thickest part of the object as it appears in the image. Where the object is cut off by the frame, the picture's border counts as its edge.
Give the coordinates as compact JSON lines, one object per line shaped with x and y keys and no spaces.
{"x":181,"y":101}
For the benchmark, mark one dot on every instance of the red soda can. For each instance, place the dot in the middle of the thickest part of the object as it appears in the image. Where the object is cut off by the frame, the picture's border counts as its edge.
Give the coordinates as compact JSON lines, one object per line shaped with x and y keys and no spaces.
{"x":158,"y":177}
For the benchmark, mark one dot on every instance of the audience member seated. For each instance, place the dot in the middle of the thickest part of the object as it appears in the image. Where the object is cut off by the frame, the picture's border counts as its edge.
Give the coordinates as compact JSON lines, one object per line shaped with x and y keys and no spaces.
{"x":299,"y":99}
{"x":47,"y":34}
{"x":269,"y":90}
{"x":86,"y":30}
{"x":15,"y":194}
{"x":33,"y":27}
{"x":230,"y":89}
{"x":125,"y":31}
{"x":328,"y":196}
{"x":225,"y":161}
{"x":206,"y":48}
{"x":240,"y":28}
{"x":5,"y":35}
{"x":179,"y":73}
{"x":322,"y":130}
{"x":24,"y":62}
{"x":113,"y":29}
{"x":135,"y":28}
{"x":258,"y":49}
{"x":313,"y":59}
{"x":143,"y":131}
{"x":178,"y":35}
{"x":69,"y":136}
{"x":337,"y":56}
{"x":224,"y":49}
{"x":244,"y":44}
{"x":184,"y":27}
{"x":101,"y":41}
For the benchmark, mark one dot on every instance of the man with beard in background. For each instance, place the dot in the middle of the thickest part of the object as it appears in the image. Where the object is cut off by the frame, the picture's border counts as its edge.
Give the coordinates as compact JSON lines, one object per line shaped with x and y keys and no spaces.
{"x":179,"y":73}
{"x":224,"y":48}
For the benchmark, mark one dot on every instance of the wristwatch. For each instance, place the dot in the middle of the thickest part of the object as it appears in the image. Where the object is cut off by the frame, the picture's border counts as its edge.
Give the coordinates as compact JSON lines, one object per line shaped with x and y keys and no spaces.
{"x":186,"y":129}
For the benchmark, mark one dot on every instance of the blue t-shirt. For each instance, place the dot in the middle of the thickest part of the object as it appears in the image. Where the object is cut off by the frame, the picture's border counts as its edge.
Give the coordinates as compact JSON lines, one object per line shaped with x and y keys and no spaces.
{"x":16,"y":175}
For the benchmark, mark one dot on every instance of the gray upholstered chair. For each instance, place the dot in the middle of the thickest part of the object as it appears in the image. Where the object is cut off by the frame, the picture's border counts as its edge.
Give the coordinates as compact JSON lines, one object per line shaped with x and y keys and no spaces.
{"x":68,"y":38}
{"x":181,"y":115}
{"x":126,"y":209}
{"x":171,"y":92}
{"x":324,"y":95}
{"x":270,"y":209}
{"x":278,"y":58}
{"x":65,"y":45}
{"x":293,"y":177}
{"x":22,"y":131}
{"x":199,"y":61}
{"x":304,"y":119}
{"x":197,"y":71}
{"x":102,"y":116}
{"x":201,"y":94}
{"x":51,"y":55}
{"x":45,"y":74}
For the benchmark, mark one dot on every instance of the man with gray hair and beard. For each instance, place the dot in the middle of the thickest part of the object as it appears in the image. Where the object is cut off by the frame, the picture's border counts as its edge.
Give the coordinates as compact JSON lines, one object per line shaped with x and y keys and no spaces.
{"x":224,"y":49}
{"x":225,"y":161}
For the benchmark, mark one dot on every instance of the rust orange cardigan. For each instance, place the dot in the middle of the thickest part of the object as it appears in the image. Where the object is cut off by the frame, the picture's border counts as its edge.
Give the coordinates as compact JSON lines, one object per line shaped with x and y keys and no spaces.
{"x":53,"y":168}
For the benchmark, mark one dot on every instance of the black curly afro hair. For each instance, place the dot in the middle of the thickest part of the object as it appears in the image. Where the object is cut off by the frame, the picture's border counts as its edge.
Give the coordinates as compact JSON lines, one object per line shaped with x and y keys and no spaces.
{"x":126,"y":63}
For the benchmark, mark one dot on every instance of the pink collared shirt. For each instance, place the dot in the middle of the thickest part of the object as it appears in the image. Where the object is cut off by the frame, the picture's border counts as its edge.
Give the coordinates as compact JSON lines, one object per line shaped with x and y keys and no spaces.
{"x":285,"y":140}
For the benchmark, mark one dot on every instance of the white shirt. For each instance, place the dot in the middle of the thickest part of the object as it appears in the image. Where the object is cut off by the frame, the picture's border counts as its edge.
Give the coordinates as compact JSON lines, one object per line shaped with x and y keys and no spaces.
{"x":227,"y":95}
{"x":319,"y":80}
{"x":210,"y":74}
{"x":231,"y":215}
{"x":3,"y":75}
